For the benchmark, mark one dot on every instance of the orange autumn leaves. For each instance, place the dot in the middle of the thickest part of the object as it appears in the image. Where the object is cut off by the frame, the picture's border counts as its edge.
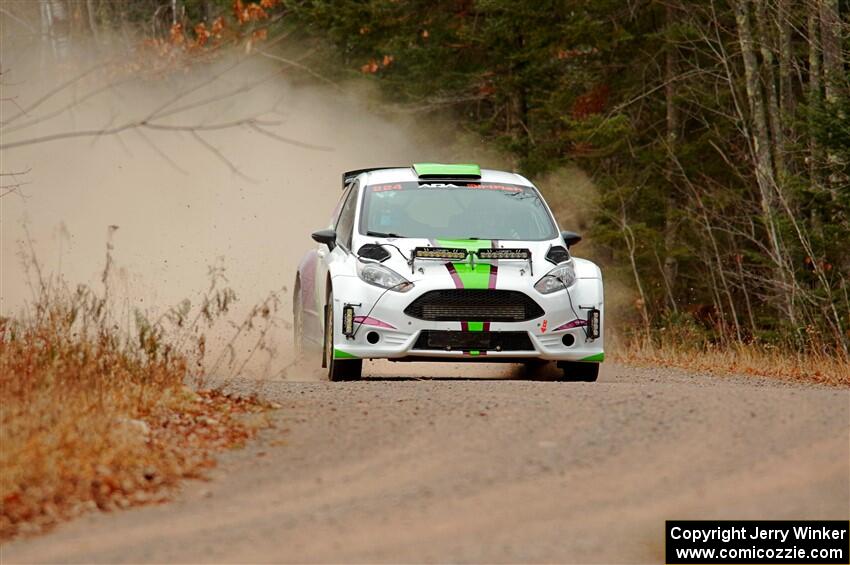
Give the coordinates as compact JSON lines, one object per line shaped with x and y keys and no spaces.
{"x":373,"y":66}
{"x":248,"y":19}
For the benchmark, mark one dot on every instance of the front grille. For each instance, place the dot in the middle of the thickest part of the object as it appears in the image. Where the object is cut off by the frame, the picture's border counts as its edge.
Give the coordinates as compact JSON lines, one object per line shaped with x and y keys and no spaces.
{"x":474,"y":305}
{"x":447,"y":340}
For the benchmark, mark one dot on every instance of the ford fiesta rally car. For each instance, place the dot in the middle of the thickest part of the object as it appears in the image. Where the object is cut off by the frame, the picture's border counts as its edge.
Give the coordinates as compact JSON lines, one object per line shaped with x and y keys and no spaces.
{"x":447,"y":263}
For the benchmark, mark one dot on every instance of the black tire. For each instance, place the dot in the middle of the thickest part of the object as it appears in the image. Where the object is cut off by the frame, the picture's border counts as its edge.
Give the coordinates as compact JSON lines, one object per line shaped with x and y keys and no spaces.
{"x":535,"y":369}
{"x":576,"y":371}
{"x":297,"y":322}
{"x":338,"y":369}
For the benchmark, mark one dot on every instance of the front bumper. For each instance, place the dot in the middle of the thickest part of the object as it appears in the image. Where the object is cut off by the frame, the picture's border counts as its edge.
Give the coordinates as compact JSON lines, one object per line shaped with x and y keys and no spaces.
{"x":382,"y":313}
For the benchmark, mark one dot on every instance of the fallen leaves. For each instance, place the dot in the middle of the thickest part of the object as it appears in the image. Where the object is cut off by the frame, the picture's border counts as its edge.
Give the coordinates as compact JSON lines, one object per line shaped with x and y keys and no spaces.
{"x":142,"y":461}
{"x":90,"y":420}
{"x":745,"y":359}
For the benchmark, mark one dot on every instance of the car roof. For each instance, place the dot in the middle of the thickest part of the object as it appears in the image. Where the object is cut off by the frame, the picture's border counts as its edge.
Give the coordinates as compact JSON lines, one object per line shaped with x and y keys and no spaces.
{"x":402,"y":174}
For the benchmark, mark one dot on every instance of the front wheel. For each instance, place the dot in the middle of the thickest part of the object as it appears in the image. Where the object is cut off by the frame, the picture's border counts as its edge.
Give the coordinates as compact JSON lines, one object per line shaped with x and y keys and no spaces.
{"x":535,"y":369}
{"x":577,"y":371}
{"x":297,"y":323}
{"x":338,"y":369}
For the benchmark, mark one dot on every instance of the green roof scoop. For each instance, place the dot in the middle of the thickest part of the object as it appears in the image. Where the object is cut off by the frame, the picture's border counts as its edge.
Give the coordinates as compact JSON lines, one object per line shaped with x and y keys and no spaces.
{"x":447,"y":171}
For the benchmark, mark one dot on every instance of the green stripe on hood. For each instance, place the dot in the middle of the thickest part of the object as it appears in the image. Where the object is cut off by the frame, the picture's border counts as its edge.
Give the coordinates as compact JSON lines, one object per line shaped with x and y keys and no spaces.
{"x":479,"y":277}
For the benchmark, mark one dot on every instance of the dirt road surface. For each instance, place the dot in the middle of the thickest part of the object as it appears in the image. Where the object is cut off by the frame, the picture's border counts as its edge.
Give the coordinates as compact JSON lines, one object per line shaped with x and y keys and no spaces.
{"x":396,"y":469}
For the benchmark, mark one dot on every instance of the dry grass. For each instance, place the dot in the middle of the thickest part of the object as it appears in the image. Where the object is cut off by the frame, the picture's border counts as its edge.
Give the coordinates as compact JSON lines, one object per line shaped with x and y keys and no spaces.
{"x":746,"y":359}
{"x":91,"y":418}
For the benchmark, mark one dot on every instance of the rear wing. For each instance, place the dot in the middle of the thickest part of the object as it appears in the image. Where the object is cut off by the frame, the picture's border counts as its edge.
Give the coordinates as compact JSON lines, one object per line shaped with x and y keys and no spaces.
{"x":349,"y":176}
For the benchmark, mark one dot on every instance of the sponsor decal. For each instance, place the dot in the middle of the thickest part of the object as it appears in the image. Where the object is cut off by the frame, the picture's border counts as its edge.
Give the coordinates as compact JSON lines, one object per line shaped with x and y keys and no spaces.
{"x":577,"y":323}
{"x":385,"y":187}
{"x":458,"y":183}
{"x":543,"y":326}
{"x":496,"y":186}
{"x":369,"y":321}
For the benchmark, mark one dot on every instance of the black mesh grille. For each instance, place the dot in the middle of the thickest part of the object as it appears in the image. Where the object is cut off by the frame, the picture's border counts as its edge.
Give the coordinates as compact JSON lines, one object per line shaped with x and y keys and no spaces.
{"x":445,"y":340}
{"x":474,"y":305}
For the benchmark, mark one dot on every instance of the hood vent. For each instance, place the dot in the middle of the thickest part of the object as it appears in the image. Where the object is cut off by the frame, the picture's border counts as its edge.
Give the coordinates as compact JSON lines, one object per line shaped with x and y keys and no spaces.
{"x":374,"y":252}
{"x":557,"y":255}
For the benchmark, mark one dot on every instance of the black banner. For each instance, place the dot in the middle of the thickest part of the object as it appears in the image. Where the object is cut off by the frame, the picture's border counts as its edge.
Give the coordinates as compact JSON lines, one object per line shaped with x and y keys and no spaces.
{"x":818,"y":542}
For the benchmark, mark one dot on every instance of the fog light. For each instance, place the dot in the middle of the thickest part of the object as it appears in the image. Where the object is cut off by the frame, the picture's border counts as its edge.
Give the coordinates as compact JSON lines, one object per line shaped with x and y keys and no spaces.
{"x":568,"y":340}
{"x":373,"y":337}
{"x":594,"y":324}
{"x":348,"y":321}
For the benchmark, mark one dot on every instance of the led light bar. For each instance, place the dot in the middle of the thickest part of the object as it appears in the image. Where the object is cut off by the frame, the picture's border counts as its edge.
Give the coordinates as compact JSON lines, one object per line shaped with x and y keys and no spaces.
{"x":445,"y":253}
{"x":348,"y":321}
{"x":498,"y":253}
{"x":594,"y":324}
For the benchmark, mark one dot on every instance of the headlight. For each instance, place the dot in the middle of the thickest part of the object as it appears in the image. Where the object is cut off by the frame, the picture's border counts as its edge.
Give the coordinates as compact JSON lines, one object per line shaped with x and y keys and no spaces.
{"x":558,"y":278}
{"x":381,"y":276}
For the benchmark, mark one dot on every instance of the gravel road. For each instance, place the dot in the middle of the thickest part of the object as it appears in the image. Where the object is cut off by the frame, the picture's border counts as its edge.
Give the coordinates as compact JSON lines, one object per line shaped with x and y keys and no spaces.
{"x":487,"y":469}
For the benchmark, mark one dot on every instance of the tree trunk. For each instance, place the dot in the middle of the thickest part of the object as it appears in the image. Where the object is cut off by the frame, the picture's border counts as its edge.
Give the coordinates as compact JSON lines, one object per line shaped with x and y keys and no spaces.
{"x":760,"y":144}
{"x":631,"y":246}
{"x":671,"y":221}
{"x":786,"y":88}
{"x":56,"y":27}
{"x":715,"y":248}
{"x":774,"y":119}
{"x":833,"y":77}
{"x":92,"y":13}
{"x":207,"y":9}
{"x":814,"y":94}
{"x":831,"y":44}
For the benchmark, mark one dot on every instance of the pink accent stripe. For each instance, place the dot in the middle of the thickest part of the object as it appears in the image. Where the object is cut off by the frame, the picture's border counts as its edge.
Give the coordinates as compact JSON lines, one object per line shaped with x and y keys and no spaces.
{"x":455,"y":276}
{"x":577,"y":323}
{"x":367,"y":321}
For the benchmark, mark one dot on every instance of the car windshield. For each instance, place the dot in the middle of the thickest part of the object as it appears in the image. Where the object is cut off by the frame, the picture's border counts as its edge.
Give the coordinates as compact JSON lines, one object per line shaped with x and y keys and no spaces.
{"x":446,"y":211}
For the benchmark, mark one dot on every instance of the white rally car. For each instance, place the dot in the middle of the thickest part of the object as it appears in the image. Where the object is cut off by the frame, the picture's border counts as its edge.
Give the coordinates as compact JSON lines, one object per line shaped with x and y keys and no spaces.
{"x":447,"y":263}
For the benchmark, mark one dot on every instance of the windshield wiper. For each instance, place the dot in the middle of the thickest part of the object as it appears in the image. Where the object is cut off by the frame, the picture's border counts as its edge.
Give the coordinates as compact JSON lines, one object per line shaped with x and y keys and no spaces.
{"x":520,"y":195}
{"x":382,"y":234}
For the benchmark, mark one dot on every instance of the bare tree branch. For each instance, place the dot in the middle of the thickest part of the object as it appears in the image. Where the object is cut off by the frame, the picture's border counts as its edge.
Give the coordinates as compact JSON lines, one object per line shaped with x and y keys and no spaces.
{"x":233,"y":168}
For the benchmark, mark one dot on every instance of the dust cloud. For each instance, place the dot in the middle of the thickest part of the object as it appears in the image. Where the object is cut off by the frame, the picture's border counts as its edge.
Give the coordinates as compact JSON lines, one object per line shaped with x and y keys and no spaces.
{"x":186,"y":200}
{"x":236,"y":198}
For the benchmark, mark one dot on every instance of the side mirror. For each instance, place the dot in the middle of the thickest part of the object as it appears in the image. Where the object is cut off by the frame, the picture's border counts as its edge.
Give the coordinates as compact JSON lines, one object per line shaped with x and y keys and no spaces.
{"x":570,"y":238}
{"x":328,"y":237}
